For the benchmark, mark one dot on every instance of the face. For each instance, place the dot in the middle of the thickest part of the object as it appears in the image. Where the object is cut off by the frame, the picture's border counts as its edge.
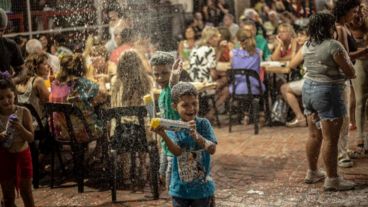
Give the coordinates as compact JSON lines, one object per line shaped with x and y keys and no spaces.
{"x":189,"y":33}
{"x":7,"y":98}
{"x":198,"y":16}
{"x":350,"y":15}
{"x":44,"y":42}
{"x":250,"y":28}
{"x":228,"y":21}
{"x":44,"y":69}
{"x":214,"y":40}
{"x":187,"y":107}
{"x":284,"y":34}
{"x":161,"y":74}
{"x":301,"y":38}
{"x":113,"y":16}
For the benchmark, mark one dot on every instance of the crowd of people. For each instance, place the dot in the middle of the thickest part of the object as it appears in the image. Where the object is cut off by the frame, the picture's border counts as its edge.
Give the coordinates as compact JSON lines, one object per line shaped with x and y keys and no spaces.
{"x":326,"y":54}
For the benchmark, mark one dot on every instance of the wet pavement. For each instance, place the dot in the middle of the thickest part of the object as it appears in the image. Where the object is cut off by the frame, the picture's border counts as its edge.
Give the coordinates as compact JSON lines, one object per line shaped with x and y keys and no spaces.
{"x":249,"y":170}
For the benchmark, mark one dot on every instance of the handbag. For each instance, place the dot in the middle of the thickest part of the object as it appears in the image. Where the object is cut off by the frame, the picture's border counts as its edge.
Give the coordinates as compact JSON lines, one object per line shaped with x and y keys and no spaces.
{"x":279,"y":111}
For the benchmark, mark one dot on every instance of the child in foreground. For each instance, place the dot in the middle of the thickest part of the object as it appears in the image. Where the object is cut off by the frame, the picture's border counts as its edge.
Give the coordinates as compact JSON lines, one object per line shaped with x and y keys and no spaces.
{"x":191,"y":182}
{"x":15,"y":155}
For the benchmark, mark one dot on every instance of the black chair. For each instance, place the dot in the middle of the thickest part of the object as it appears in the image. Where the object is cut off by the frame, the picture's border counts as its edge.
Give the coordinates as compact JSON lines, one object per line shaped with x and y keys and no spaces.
{"x":250,"y":101}
{"x":207,"y":101}
{"x":131,"y":138}
{"x":39,"y":135}
{"x":78,"y":149}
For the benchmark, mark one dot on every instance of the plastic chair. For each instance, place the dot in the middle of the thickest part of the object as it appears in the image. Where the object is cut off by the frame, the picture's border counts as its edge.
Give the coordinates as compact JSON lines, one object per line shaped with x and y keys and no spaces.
{"x":39,"y":135}
{"x":126,"y":138}
{"x":254,"y":101}
{"x":78,"y":149}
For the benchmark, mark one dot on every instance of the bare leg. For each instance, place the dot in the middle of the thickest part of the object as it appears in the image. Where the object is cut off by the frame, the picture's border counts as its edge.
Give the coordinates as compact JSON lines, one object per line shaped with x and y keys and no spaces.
{"x":292,"y":100}
{"x":26,"y":192}
{"x":8,"y":189}
{"x":313,"y":143}
{"x":331,"y":133}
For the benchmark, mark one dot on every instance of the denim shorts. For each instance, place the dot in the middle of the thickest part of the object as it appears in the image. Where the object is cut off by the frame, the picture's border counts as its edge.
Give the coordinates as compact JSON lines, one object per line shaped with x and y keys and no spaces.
{"x":325,"y":99}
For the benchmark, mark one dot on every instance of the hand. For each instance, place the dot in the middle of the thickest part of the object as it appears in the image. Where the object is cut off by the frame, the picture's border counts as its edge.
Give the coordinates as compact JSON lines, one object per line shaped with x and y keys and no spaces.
{"x":223,"y":43}
{"x":278,"y":40}
{"x":2,"y":136}
{"x":159,"y":130}
{"x":193,"y":130}
{"x":177,"y":66}
{"x":16,"y":125}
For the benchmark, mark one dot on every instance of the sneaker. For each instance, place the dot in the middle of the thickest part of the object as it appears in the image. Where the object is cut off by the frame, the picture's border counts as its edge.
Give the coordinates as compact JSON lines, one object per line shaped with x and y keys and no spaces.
{"x":338,"y":184}
{"x":314,"y":176}
{"x":345,"y":163}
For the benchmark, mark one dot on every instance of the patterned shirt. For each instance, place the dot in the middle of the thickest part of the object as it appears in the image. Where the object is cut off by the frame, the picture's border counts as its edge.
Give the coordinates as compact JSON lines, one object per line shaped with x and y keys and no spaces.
{"x":202,"y":60}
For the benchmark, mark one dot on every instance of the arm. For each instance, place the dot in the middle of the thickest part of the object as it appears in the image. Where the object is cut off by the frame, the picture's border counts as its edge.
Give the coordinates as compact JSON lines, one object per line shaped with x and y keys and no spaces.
{"x":43,"y":92}
{"x":296,"y":60}
{"x":277,"y":52}
{"x":200,"y":140}
{"x":173,"y":147}
{"x":20,"y":74}
{"x":342,"y":59}
{"x":25,"y":129}
{"x":175,"y":72}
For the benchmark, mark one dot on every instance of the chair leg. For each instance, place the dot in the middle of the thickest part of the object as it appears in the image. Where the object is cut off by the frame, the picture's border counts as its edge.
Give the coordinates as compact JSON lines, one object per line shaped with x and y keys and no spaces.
{"x":154,"y":168}
{"x":78,"y":168}
{"x":36,"y":165}
{"x":230,"y":113}
{"x":52,"y":168}
{"x":114,"y":166}
{"x":255,"y":112}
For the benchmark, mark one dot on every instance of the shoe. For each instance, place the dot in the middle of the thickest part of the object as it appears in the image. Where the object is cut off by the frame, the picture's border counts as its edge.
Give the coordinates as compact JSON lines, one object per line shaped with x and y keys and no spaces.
{"x":297,"y":123}
{"x":246,"y":120}
{"x":314,"y":176}
{"x":345,"y":163}
{"x":338,"y":184}
{"x":360,"y":152}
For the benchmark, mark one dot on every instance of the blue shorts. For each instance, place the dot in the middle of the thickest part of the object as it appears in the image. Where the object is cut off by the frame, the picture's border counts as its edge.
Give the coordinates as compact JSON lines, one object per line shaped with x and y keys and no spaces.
{"x":325,"y":99}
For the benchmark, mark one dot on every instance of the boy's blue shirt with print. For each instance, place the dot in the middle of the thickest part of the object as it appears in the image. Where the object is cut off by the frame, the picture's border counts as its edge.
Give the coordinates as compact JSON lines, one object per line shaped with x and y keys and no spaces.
{"x":191,"y":177}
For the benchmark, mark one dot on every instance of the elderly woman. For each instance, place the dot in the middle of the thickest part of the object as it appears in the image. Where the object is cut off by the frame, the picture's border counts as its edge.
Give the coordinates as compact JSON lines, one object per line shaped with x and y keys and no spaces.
{"x":284,"y":39}
{"x":328,"y":66}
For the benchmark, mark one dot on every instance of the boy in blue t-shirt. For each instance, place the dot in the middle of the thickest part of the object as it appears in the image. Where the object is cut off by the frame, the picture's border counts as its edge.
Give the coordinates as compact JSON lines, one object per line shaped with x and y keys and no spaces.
{"x":166,"y":72}
{"x":191,"y":181}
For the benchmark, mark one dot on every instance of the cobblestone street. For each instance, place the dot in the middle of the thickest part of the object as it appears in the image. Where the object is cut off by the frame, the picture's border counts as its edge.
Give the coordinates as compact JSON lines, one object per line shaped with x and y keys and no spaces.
{"x":249,"y":170}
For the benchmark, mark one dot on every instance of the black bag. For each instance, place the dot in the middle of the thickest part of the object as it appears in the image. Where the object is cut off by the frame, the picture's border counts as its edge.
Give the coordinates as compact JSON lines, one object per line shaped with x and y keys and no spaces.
{"x":279,"y":111}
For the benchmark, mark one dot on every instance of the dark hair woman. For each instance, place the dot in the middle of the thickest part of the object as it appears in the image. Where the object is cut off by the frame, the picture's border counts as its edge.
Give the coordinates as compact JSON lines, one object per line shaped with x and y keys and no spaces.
{"x":344,"y":12}
{"x":328,"y":66}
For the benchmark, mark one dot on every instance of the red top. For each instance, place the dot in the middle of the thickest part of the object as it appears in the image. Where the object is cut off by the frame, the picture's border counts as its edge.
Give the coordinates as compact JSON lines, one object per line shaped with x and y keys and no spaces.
{"x":115,"y":55}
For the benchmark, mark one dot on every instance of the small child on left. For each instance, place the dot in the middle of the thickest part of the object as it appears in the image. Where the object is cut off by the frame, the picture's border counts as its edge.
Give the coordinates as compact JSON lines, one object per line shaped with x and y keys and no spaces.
{"x":16,"y":131}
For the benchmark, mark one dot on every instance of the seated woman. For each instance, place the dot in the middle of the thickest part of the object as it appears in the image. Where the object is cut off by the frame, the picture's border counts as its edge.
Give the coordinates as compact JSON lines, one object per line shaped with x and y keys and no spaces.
{"x":284,"y":39}
{"x":246,"y":57}
{"x":186,"y":45}
{"x":33,"y":90}
{"x":292,"y":90}
{"x":203,"y":64}
{"x":130,"y":84}
{"x":77,"y":89}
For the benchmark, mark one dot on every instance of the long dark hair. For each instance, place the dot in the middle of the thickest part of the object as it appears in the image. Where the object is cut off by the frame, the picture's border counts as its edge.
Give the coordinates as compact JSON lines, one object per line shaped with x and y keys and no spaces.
{"x":342,"y":7}
{"x":319,"y":27}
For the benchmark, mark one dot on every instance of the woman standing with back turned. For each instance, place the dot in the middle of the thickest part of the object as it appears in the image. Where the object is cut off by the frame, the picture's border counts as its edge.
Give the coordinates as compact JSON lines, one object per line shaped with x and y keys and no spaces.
{"x":328,"y":66}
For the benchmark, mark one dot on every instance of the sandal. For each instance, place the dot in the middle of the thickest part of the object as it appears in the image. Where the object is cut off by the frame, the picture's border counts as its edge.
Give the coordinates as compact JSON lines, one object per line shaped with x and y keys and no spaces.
{"x":246,"y":120}
{"x":359,"y":152}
